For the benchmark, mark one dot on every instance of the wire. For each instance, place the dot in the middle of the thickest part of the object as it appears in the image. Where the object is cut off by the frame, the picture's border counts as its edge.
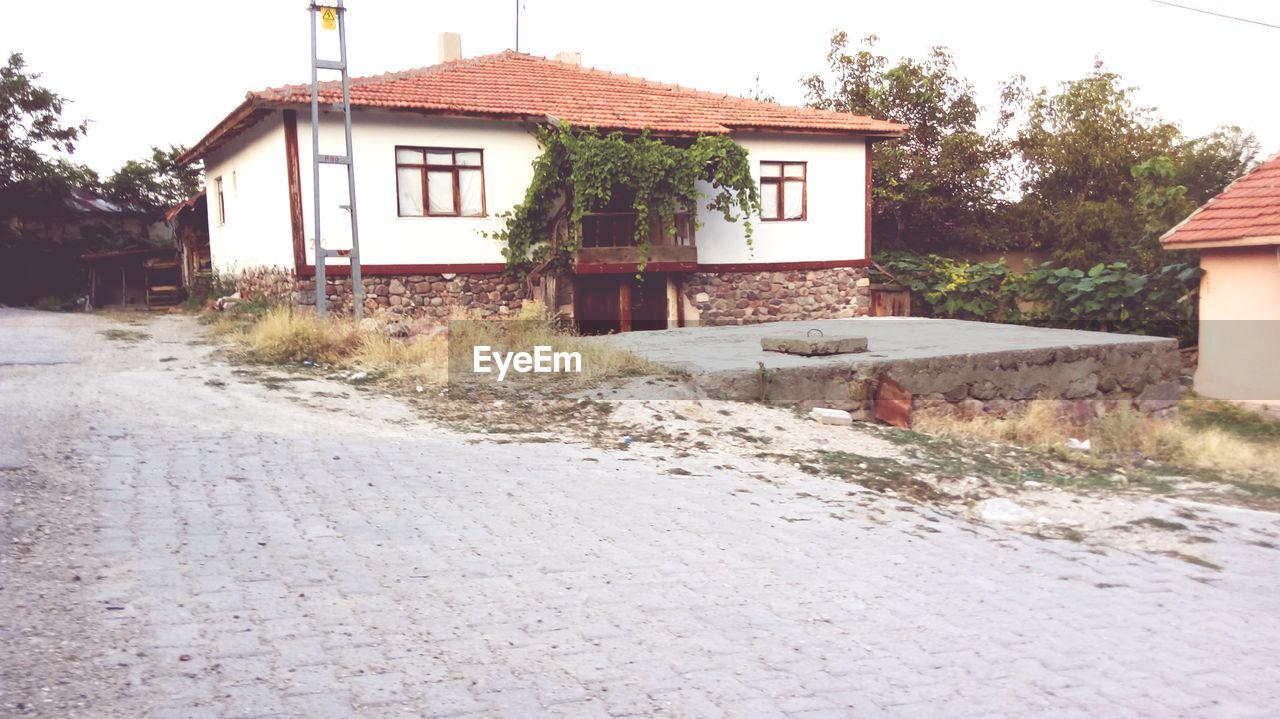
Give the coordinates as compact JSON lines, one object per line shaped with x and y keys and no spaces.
{"x":1216,"y":14}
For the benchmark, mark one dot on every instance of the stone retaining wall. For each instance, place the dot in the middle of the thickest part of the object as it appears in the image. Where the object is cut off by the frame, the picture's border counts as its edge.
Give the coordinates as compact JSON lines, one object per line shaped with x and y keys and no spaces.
{"x":1087,"y":381}
{"x":736,"y":298}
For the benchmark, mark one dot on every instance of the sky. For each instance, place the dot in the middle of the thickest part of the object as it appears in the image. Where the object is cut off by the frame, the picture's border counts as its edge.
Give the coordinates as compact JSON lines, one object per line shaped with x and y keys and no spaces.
{"x":151,"y":72}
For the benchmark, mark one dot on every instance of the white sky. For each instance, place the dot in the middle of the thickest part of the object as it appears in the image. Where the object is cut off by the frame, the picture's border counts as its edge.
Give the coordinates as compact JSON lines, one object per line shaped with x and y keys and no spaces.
{"x":164,"y":71}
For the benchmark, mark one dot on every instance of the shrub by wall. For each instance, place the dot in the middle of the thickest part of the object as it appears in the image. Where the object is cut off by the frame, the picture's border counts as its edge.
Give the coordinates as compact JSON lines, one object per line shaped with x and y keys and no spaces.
{"x":1108,"y":297}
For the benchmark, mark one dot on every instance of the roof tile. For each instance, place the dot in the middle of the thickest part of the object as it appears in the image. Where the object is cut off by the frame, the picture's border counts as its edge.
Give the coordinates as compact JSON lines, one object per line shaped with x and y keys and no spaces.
{"x":1248,"y":209}
{"x":512,"y":85}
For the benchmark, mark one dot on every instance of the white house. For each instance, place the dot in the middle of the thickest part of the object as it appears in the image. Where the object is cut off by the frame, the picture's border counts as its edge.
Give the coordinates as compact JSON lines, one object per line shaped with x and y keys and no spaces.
{"x":440,"y":152}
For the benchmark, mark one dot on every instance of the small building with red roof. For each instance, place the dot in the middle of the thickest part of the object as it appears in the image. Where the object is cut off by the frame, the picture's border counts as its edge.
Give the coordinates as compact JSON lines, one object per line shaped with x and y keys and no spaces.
{"x":1237,"y":235}
{"x":442,"y":152}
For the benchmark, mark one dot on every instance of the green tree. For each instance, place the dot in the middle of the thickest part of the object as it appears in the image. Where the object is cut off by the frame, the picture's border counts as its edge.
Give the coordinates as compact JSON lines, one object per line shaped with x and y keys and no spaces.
{"x":1206,"y":165}
{"x":154,"y":183}
{"x":1079,"y":149}
{"x":939,"y":186}
{"x":31,"y":127}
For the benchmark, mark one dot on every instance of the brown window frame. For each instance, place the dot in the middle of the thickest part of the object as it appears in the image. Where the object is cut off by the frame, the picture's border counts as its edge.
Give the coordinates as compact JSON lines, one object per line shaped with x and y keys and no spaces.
{"x":222,"y":201}
{"x":453,"y":169}
{"x":781,"y":181}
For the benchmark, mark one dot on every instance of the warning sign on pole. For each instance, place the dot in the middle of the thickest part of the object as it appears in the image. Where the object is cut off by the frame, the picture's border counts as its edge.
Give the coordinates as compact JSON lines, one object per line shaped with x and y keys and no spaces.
{"x":329,"y":18}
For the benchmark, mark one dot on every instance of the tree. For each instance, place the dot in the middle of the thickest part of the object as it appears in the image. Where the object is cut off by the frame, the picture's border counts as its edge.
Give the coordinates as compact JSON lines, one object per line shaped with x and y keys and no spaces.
{"x":155,"y":183}
{"x":1206,"y":165}
{"x":31,"y":126}
{"x":938,"y":187}
{"x":1080,"y":150}
{"x":1104,"y":178}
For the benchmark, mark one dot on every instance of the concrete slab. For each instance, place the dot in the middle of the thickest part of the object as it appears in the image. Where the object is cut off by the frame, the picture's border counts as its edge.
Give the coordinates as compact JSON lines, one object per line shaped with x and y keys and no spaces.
{"x":941,"y":359}
{"x":713,"y":349}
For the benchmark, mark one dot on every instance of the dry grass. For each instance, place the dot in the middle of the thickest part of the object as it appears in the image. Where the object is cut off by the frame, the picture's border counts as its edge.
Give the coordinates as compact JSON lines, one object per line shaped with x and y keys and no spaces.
{"x":531,"y":327}
{"x":1038,"y":426}
{"x":1126,"y":435}
{"x":288,"y":335}
{"x":422,"y":359}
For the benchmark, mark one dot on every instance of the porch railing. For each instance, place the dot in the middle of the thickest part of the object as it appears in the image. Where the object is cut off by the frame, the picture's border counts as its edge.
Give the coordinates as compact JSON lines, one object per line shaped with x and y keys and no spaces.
{"x":617,"y":229}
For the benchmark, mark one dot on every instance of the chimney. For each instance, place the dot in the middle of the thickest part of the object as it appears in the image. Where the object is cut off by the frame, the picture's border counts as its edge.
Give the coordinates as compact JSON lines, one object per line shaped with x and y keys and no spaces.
{"x":570,"y":58}
{"x":449,"y":47}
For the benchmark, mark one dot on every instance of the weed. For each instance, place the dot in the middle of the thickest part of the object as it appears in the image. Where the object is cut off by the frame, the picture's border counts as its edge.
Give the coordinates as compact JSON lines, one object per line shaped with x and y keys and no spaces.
{"x":120,"y":335}
{"x":284,"y":335}
{"x":1159,"y":523}
{"x":1230,"y":418}
{"x":1212,"y":438}
{"x":1192,"y":559}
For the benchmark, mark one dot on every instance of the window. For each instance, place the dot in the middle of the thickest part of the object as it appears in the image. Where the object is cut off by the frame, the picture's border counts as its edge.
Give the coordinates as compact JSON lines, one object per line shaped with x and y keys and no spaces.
{"x":437,"y":182}
{"x":784,"y":192}
{"x":222,"y":202}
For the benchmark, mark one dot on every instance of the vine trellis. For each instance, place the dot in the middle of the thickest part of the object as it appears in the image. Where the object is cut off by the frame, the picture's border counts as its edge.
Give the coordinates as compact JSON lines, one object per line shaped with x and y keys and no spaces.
{"x":579,"y":170}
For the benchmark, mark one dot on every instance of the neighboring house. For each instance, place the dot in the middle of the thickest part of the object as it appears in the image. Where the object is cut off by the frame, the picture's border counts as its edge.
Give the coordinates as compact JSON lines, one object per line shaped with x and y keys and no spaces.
{"x":142,"y":278}
{"x":190,"y":223}
{"x":442,"y":152}
{"x":1238,"y":236}
{"x":50,"y":239}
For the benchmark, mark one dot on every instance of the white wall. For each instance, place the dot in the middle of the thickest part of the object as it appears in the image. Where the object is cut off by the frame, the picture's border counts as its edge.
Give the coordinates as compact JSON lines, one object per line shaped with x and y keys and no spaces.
{"x":835,"y":227}
{"x":386,"y":238}
{"x":255,"y":187}
{"x":257,"y":230}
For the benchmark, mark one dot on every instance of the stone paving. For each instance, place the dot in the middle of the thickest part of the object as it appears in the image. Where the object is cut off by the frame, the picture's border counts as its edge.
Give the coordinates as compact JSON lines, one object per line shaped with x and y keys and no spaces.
{"x":271,"y":559}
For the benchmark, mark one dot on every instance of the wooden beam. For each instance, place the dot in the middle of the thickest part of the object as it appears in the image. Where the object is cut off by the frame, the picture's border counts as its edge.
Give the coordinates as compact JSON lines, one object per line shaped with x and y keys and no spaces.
{"x":867,"y":238}
{"x":294,"y":173}
{"x":624,"y":305}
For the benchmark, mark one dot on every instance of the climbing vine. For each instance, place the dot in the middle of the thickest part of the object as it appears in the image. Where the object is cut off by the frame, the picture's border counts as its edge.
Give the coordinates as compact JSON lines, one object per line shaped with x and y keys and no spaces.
{"x":580,"y":171}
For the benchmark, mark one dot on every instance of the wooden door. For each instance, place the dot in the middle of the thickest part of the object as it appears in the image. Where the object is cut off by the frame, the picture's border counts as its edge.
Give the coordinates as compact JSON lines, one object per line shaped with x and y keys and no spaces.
{"x":603,"y":304}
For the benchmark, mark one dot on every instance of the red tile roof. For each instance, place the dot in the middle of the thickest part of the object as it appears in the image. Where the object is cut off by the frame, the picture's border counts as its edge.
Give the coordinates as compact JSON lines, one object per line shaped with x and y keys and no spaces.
{"x":511,"y":85}
{"x":1246,"y":213}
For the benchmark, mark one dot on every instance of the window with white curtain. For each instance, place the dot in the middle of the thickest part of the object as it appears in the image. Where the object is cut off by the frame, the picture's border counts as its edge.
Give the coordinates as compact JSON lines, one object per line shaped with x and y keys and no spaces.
{"x":440,"y":182}
{"x":784,"y":191}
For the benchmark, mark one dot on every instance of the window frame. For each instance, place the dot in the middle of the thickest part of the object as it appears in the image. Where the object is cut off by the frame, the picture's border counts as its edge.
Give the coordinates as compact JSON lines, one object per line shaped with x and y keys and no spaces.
{"x":453,"y":169}
{"x":781,"y":181}
{"x":222,"y":201}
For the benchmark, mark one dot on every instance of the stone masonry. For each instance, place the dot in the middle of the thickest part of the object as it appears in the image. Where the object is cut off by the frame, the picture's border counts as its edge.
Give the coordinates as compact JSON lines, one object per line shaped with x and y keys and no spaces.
{"x":737,"y":298}
{"x":427,"y":295}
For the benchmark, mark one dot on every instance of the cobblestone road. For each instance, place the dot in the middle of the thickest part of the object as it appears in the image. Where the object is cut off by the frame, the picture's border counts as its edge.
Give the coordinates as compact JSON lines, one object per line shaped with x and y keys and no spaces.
{"x":243,"y":555}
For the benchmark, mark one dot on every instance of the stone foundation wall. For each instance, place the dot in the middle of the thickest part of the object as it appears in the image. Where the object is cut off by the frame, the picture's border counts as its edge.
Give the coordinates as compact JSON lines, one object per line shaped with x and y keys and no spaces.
{"x":737,"y":298}
{"x":432,"y":296}
{"x":274,"y":283}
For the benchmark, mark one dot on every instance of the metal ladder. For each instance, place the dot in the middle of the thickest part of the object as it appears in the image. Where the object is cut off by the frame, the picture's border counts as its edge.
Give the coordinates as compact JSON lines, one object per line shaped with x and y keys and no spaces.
{"x":330,"y":15}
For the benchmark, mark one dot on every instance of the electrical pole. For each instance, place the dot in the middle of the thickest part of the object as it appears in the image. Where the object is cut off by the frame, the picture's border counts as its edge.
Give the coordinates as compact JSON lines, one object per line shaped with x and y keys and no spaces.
{"x":333,"y":17}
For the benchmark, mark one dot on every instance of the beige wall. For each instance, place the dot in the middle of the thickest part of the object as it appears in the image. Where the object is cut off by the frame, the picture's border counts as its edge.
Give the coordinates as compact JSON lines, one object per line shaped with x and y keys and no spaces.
{"x":1240,"y":324}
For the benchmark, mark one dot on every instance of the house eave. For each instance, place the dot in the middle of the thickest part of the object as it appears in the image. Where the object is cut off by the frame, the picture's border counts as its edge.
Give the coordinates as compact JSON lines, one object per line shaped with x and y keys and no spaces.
{"x":1259,"y":241}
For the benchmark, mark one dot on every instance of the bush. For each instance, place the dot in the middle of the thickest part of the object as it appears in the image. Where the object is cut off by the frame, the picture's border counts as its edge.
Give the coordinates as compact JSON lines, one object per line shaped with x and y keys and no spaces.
{"x":1106,"y":297}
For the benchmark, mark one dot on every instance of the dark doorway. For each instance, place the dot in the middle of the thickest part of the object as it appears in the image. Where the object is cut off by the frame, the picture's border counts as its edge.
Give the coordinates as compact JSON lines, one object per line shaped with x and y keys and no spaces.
{"x":604,"y":304}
